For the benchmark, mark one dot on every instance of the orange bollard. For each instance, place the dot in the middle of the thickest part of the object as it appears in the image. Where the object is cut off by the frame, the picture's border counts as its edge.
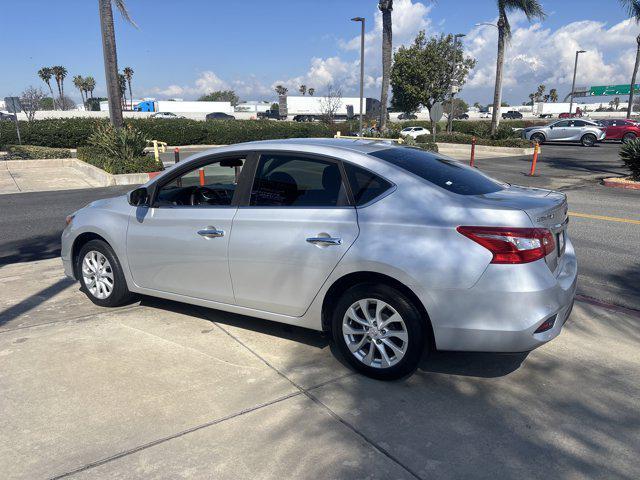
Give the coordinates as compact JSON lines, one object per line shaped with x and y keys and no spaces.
{"x":176,"y":155}
{"x":536,"y":150}
{"x":202,"y":177}
{"x":473,"y":151}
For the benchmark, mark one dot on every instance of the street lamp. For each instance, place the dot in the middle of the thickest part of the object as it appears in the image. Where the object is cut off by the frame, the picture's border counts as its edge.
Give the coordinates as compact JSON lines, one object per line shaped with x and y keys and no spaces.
{"x":573,"y":85}
{"x":453,"y":73}
{"x":361,"y":20}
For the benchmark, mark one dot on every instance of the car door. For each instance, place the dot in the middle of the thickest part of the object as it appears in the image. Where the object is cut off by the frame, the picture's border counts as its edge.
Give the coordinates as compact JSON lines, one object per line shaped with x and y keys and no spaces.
{"x":557,"y":131}
{"x":179,"y":244}
{"x":297,"y":223}
{"x":615,"y":130}
{"x":577,"y":128}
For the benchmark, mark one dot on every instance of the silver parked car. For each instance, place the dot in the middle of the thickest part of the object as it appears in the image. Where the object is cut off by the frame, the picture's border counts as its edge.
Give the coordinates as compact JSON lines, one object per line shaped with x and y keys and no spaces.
{"x":394,"y":250}
{"x":586,"y":132}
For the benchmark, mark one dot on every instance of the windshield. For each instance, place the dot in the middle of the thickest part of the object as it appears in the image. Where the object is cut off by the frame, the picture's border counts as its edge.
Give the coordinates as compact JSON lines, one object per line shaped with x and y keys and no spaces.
{"x":444,"y":172}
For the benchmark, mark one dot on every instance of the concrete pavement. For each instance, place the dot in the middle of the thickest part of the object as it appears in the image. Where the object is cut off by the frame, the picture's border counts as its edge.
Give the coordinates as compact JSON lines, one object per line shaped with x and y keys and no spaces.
{"x":159,"y":389}
{"x":33,"y":178}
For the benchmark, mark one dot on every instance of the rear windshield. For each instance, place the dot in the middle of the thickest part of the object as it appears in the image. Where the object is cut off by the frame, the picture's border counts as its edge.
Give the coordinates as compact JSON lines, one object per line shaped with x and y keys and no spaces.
{"x":443,"y":172}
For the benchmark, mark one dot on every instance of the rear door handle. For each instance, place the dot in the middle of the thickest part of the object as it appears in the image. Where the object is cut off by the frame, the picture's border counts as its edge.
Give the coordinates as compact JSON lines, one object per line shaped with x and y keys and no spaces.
{"x":325,"y":241}
{"x":211,"y":232}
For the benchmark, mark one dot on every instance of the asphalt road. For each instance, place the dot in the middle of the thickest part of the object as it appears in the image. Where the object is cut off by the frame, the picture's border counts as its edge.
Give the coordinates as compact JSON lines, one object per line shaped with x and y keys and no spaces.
{"x":607,"y":249}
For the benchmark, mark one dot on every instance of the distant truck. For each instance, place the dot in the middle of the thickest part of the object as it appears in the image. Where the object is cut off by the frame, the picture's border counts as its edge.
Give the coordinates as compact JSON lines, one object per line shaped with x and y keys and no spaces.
{"x":308,"y":108}
{"x":548,"y":110}
{"x":183,"y":107}
{"x":274,"y":114}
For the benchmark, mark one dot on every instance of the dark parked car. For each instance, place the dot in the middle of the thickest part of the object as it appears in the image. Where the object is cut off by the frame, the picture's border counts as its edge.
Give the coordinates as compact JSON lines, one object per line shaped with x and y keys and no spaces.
{"x":462,"y":116}
{"x":407,"y":116}
{"x":625,"y":130}
{"x":511,"y":115}
{"x":220,"y":116}
{"x":7,"y":117}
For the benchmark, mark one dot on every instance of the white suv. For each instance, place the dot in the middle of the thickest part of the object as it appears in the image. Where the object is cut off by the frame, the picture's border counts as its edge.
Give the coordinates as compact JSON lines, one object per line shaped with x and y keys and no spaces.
{"x":414,"y":132}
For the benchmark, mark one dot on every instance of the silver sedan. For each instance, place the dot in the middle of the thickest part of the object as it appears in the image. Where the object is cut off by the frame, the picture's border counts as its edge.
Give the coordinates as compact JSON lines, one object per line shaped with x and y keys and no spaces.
{"x":394,"y":250}
{"x":586,"y":132}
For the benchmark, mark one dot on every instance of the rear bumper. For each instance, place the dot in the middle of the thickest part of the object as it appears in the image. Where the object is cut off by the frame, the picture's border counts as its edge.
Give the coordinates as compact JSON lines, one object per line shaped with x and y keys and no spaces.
{"x":505,"y":307}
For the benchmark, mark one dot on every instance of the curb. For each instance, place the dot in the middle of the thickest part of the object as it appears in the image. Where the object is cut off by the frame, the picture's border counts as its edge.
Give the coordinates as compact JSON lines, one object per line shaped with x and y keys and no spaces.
{"x":618,"y":182}
{"x":486,"y":149}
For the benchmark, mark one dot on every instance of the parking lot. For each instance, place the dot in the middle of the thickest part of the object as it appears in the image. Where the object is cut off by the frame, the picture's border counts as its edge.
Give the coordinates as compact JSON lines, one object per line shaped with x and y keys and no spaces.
{"x":164,"y":390}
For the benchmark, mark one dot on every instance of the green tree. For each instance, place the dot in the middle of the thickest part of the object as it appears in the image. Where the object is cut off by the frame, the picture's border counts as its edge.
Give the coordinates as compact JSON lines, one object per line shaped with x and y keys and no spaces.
{"x":633,"y":10}
{"x":459,"y":106}
{"x":421,"y":74}
{"x":281,"y":90}
{"x":122,"y":85}
{"x":78,"y":82}
{"x":111,"y":57}
{"x":553,"y":95}
{"x":311,"y":91}
{"x":303,"y":89}
{"x":385,"y":7}
{"x":59,"y":74}
{"x":539,"y":92}
{"x":45,"y":74}
{"x":128,"y":74}
{"x":477,"y":105}
{"x":89,"y":85}
{"x":221,"y":96}
{"x":532,"y":10}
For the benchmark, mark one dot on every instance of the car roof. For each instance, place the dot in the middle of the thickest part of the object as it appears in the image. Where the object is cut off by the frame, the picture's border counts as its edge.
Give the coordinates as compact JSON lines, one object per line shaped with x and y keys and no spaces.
{"x":354,"y":145}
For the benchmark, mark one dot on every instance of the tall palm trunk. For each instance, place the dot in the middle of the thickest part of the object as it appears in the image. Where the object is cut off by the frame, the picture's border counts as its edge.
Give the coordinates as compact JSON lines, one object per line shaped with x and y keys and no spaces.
{"x":387,"y":45}
{"x":497,"y":93}
{"x":130,"y":95}
{"x":633,"y":78}
{"x":60,"y":102}
{"x":110,"y":62}
{"x":53,"y":98}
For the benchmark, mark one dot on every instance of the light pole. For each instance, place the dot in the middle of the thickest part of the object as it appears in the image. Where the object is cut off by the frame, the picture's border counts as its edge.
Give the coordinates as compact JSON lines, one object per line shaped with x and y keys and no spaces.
{"x":573,"y":85}
{"x":453,"y":74}
{"x":361,"y":20}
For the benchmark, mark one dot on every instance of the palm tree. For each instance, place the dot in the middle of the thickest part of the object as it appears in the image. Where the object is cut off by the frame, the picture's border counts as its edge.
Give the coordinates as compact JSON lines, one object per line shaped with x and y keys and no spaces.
{"x":281,"y":90}
{"x":122,"y":85}
{"x":385,"y":6}
{"x":59,"y":73}
{"x":633,"y":10}
{"x":553,"y":95}
{"x":78,"y":82}
{"x":45,"y":73}
{"x":311,"y":91}
{"x":532,"y":9}
{"x":90,"y":85}
{"x":128,"y":74}
{"x":303,"y":89}
{"x":111,"y":57}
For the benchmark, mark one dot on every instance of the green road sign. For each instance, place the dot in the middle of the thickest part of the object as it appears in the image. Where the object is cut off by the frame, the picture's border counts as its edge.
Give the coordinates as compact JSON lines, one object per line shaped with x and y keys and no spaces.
{"x":612,"y":90}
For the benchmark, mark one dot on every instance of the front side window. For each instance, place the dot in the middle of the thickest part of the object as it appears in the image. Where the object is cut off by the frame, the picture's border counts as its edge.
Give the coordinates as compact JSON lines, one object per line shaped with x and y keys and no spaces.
{"x":443,"y":172}
{"x":213,"y":184}
{"x":292,"y":181}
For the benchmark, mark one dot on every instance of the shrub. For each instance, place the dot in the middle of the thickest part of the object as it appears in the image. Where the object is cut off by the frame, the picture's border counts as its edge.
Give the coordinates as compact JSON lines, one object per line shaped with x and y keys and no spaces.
{"x":123,"y":144}
{"x":630,"y":155}
{"x":432,"y":147}
{"x":138,"y":164}
{"x":29,"y":152}
{"x":466,"y":139}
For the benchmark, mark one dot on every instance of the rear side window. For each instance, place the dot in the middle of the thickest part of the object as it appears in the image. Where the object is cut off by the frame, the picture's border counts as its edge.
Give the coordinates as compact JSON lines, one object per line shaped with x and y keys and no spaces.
{"x":443,"y":172}
{"x":366,"y":186}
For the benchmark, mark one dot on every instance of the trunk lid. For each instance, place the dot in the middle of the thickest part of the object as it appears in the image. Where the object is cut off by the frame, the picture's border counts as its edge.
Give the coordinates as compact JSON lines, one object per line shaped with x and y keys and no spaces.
{"x":546,"y":209}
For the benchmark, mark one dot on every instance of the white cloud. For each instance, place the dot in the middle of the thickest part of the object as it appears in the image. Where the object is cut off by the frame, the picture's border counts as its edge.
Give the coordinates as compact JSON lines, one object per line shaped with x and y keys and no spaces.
{"x":207,"y":82}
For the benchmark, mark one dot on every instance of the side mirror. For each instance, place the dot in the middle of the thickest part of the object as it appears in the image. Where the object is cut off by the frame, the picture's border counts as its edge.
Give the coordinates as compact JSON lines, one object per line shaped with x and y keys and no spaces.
{"x":139,"y":197}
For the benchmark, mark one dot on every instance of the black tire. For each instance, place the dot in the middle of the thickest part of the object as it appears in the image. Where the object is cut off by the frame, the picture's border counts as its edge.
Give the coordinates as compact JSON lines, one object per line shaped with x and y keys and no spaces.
{"x":413,"y":322}
{"x":588,"y":140}
{"x":119,"y":294}
{"x":629,"y":137}
{"x":538,"y":137}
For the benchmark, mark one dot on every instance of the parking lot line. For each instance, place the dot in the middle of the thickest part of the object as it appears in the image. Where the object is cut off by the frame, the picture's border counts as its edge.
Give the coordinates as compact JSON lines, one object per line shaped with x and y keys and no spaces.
{"x":605,"y":218}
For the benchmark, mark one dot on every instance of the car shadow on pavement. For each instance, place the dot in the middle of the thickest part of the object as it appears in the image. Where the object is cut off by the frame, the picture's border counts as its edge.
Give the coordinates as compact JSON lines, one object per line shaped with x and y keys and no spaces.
{"x":40,"y":247}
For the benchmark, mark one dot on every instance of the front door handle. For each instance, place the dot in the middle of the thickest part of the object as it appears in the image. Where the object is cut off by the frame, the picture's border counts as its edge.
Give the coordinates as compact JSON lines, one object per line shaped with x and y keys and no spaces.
{"x":211,"y":232}
{"x":324,"y":241}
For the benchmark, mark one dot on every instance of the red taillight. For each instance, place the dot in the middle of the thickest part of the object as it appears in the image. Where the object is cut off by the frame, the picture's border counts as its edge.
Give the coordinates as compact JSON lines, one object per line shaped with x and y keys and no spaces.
{"x":512,"y":245}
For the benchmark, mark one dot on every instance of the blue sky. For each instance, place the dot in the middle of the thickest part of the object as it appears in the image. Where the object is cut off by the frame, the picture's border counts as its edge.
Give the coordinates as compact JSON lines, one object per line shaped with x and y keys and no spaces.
{"x":183,"y":48}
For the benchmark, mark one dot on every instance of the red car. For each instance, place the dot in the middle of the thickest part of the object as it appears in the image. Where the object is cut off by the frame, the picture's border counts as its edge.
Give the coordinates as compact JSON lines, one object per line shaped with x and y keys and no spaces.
{"x":625,"y":130}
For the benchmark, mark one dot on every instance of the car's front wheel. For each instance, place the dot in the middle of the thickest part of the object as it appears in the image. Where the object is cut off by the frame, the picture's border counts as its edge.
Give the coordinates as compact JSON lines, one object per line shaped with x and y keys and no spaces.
{"x":588,"y":140}
{"x":537,"y":138}
{"x":379,"y":331}
{"x":101,"y":275}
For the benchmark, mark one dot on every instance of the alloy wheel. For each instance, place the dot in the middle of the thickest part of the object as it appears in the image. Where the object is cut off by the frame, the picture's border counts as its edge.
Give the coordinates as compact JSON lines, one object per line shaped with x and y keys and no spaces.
{"x":375,"y":333}
{"x":97,"y":274}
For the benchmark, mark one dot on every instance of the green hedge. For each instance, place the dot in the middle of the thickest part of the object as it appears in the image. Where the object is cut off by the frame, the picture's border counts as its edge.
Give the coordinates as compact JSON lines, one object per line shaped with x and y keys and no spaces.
{"x":31,"y":152}
{"x":432,"y":147}
{"x":74,"y":132}
{"x":95,"y":157}
{"x":466,"y":139}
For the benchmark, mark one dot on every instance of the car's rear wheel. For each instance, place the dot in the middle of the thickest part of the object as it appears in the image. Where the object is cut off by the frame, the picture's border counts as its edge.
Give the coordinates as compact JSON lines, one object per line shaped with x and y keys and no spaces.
{"x":537,"y":138}
{"x":629,"y":137}
{"x":101,"y":275}
{"x":588,"y":140}
{"x":379,"y":331}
